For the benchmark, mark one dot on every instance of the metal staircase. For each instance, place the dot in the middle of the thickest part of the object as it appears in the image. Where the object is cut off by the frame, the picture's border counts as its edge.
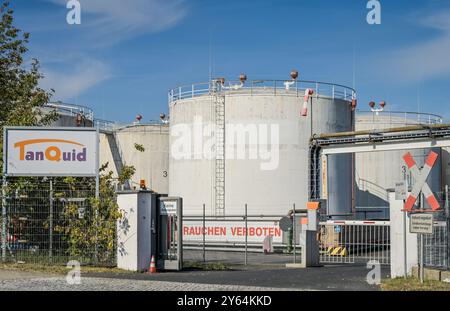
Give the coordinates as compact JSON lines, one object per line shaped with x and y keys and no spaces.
{"x":116,"y":154}
{"x":219,"y":159}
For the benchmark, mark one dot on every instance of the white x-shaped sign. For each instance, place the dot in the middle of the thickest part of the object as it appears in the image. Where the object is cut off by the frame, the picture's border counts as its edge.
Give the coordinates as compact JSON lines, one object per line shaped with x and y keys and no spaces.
{"x":420,"y":176}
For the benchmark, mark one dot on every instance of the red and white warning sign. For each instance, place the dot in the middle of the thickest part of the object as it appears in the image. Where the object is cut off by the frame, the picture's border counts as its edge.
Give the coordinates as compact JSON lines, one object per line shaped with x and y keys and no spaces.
{"x":420,"y":176}
{"x":231,"y":232}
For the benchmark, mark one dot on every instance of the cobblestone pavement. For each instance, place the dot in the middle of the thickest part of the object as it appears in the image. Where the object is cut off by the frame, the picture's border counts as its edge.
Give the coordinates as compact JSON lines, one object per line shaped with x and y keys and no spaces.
{"x":108,"y":284}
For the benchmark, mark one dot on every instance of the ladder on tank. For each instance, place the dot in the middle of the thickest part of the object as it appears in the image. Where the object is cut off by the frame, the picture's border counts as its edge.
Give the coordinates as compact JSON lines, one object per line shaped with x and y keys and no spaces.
{"x":219,"y":159}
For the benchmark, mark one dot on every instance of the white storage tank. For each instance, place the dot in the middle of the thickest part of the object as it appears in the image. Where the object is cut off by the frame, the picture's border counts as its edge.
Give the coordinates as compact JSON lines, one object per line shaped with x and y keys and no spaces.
{"x":265,"y":146}
{"x":118,"y":147}
{"x":376,"y":172}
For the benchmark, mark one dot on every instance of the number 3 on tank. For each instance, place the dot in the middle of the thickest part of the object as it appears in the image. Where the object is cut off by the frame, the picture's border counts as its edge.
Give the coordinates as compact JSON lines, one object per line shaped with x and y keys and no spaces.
{"x":74,"y":15}
{"x":374,"y":15}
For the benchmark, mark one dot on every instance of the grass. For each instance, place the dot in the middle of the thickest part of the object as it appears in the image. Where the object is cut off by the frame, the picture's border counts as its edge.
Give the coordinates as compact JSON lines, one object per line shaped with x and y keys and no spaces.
{"x":58,"y":269}
{"x":62,"y":269}
{"x":413,"y":284}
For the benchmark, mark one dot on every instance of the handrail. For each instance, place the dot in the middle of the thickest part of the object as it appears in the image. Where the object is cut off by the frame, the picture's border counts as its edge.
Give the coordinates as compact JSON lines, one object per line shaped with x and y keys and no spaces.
{"x":72,"y":109}
{"x":110,"y":126}
{"x":254,"y":87}
{"x":404,"y":117}
{"x":106,"y":125}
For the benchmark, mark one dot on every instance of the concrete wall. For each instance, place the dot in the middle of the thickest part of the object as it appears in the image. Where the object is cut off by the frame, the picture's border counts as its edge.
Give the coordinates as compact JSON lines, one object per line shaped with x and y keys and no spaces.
{"x":265,"y":191}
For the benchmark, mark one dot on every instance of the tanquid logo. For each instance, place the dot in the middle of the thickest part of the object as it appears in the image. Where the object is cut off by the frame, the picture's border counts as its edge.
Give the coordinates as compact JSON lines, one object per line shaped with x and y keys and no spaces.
{"x":31,"y":150}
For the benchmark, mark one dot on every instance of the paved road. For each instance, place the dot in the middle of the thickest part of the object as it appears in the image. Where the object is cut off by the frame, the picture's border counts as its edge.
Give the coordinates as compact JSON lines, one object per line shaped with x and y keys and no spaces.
{"x":110,"y":284}
{"x":347,"y":278}
{"x":327,"y":278}
{"x":264,"y":273}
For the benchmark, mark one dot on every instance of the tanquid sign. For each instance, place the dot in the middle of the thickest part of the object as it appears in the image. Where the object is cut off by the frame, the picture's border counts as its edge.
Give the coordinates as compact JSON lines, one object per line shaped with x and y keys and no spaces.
{"x":38,"y":151}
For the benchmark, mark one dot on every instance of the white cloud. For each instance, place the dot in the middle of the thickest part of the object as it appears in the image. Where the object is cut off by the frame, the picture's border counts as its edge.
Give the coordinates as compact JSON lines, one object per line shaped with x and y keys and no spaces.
{"x":111,"y":21}
{"x":425,"y":60}
{"x":103,"y":24}
{"x":69,"y":84}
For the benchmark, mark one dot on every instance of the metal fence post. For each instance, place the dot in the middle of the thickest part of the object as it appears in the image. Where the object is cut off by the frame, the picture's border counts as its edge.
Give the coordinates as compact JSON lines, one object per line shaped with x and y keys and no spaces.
{"x":50,"y":248}
{"x":246,"y":234}
{"x":405,"y":247}
{"x":294,"y":237}
{"x":447,"y":212}
{"x":447,"y":222}
{"x":421,"y":265}
{"x":4,"y":235}
{"x":204,"y":233}
{"x":97,"y":194}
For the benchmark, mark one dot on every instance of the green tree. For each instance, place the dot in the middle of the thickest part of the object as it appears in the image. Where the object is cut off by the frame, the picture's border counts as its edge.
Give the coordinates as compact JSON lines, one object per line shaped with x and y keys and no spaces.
{"x":21,"y":98}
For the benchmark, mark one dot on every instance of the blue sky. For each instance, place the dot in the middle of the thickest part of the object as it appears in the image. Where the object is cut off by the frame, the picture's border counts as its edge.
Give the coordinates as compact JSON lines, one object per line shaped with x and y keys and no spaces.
{"x":126,"y":55}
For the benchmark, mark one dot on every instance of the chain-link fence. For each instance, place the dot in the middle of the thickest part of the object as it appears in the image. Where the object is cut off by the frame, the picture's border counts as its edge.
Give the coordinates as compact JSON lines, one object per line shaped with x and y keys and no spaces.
{"x":53,"y":221}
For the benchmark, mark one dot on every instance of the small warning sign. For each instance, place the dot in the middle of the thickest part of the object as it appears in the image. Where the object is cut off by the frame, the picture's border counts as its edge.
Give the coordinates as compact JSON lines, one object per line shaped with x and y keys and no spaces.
{"x":421,"y":223}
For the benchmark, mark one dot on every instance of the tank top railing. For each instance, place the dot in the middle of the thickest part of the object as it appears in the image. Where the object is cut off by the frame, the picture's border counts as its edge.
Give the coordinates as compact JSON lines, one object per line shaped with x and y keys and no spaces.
{"x":400,"y":117}
{"x":263,"y":87}
{"x":72,"y":110}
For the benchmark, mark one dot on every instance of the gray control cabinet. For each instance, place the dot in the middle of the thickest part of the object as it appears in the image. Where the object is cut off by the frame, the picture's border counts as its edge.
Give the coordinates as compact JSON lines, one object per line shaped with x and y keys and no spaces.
{"x":136,"y":230}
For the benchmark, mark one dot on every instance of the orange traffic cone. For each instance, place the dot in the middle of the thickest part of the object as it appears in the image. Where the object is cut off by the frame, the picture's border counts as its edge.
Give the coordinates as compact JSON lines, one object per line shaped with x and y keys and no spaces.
{"x":152,"y":268}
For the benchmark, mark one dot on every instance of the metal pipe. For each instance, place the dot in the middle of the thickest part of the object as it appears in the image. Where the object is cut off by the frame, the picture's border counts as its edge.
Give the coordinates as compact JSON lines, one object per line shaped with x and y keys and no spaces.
{"x":421,"y":246}
{"x":405,"y":249}
{"x":391,"y":130}
{"x":50,"y":249}
{"x":294,"y":238}
{"x":246,"y":235}
{"x":4,"y":232}
{"x":204,"y":233}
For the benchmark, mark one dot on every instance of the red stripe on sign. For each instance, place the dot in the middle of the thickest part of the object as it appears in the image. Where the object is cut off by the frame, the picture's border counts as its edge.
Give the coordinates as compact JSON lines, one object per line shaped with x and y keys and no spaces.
{"x":432,"y":157}
{"x":410,"y":203}
{"x":433,"y":202}
{"x":368,"y":222}
{"x":409,"y":160}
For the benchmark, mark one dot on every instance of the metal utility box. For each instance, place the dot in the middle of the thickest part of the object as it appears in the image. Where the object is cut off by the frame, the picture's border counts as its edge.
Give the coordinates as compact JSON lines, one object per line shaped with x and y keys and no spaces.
{"x":136,"y":230}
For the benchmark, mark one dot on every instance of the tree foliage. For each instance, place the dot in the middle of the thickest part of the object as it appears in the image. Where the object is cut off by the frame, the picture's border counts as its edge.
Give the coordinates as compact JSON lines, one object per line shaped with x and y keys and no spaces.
{"x":21,"y":98}
{"x":21,"y":104}
{"x":96,"y":230}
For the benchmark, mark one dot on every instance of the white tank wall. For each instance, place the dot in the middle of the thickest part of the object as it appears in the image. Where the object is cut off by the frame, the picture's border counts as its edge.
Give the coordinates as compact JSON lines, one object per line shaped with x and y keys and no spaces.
{"x":378,"y":171}
{"x":266,"y":192}
{"x":151,"y":165}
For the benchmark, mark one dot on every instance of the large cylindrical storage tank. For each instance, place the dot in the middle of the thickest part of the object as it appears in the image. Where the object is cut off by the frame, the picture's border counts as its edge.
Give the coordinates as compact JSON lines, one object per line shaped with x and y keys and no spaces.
{"x":120,"y":147}
{"x":377,"y":172}
{"x":264,"y":120}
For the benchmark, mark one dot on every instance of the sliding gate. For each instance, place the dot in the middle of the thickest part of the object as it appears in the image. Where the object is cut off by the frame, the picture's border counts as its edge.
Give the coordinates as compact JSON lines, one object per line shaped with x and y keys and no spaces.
{"x":355,"y":242}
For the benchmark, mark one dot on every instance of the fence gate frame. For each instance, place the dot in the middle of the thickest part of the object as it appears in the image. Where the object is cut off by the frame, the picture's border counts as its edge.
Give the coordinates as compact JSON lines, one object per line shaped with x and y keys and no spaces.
{"x":354,"y":242}
{"x":394,"y":139}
